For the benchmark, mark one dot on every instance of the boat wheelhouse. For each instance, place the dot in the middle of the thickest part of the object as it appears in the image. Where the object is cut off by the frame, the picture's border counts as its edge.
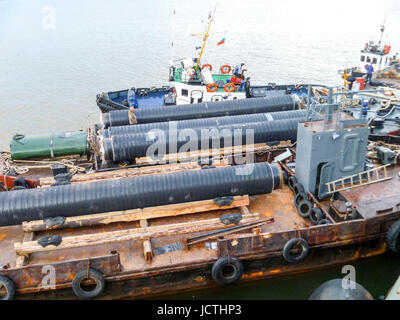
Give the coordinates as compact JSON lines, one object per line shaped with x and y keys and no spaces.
{"x":195,"y":84}
{"x":375,"y":54}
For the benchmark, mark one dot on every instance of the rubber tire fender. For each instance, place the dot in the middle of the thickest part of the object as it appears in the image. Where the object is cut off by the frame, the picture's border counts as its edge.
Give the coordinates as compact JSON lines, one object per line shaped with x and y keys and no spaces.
{"x":324,"y":221}
{"x":299,"y":197}
{"x":82,"y":275}
{"x":291,"y":182}
{"x":288,"y":247}
{"x":393,"y":237}
{"x":316,"y":215}
{"x":304,"y":208}
{"x":298,"y":188}
{"x":20,"y":183}
{"x":220,"y":264}
{"x":10,"y":287}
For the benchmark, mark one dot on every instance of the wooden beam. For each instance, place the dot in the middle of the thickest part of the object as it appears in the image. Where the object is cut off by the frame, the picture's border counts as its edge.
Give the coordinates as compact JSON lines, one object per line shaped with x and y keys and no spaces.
{"x":209,"y":153}
{"x":136,"y":234}
{"x":138,"y":214}
{"x":24,"y":259}
{"x":126,"y":173}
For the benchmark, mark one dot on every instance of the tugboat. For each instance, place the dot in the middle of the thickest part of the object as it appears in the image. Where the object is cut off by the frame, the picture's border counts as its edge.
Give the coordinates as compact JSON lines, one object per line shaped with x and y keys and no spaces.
{"x":375,"y":54}
{"x":194,"y":82}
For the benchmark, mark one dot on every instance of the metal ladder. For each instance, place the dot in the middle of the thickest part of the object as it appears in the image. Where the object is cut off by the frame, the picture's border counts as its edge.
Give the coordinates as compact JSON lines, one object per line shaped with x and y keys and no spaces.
{"x":360,"y":179}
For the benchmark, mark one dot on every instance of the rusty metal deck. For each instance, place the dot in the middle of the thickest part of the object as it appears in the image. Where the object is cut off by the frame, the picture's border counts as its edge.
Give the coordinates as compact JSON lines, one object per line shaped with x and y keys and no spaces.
{"x":376,"y":198}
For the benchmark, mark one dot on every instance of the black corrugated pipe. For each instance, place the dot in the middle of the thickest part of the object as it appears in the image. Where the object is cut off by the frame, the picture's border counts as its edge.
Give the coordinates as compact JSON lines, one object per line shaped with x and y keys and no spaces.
{"x":128,"y":147}
{"x":201,"y":110}
{"x":204,"y":123}
{"x":138,"y":192}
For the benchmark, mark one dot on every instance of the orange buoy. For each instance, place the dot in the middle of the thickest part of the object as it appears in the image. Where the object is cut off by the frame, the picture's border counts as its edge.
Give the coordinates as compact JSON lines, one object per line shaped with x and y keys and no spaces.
{"x":212,"y":87}
{"x":229,"y":87}
{"x":206,"y":65}
{"x":226,"y":68}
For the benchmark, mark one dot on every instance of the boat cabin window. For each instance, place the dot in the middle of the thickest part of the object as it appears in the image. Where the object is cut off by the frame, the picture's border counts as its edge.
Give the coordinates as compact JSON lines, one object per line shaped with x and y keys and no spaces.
{"x":374,"y":60}
{"x":368,"y":59}
{"x":185,"y":92}
{"x":362,"y":58}
{"x":386,"y":60}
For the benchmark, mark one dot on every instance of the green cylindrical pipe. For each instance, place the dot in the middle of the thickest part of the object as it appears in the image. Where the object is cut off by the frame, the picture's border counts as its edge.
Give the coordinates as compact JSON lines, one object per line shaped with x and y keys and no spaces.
{"x":49,"y":145}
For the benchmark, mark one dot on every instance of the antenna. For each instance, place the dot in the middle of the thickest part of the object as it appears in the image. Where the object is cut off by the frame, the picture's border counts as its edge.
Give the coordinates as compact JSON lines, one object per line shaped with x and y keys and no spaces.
{"x":173,"y":35}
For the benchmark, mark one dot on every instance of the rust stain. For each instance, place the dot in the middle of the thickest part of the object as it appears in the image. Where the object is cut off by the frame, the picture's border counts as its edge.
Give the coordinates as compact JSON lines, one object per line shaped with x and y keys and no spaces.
{"x":2,"y":236}
{"x":71,"y":276}
{"x":199,"y":279}
{"x":253,"y":275}
{"x":275,"y":271}
{"x":29,"y":279}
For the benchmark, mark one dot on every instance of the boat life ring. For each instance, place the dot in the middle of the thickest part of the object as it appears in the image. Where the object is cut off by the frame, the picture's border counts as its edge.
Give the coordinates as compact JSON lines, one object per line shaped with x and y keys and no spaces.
{"x":229,"y":87}
{"x":9,"y":288}
{"x":386,"y":50}
{"x":212,"y":87}
{"x":297,"y":257}
{"x":206,"y":65}
{"x":227,"y":270}
{"x":226,"y":68}
{"x":86,"y":275}
{"x":393,"y":237}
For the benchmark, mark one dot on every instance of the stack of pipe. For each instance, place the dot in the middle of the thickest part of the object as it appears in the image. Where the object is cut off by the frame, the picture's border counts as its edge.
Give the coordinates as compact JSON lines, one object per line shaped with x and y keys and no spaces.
{"x":127,"y":147}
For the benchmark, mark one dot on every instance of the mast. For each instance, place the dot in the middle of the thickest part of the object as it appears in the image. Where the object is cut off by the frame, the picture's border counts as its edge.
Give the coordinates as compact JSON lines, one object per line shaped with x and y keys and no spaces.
{"x":210,"y":20}
{"x":382,"y":30}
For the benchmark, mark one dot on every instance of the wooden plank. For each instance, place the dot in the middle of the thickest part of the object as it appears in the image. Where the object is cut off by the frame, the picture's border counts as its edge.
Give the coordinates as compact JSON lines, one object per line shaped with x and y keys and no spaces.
{"x":245,"y":210}
{"x":23,"y":260}
{"x":136,"y":234}
{"x":139,"y":214}
{"x":126,"y":173}
{"x":209,"y":153}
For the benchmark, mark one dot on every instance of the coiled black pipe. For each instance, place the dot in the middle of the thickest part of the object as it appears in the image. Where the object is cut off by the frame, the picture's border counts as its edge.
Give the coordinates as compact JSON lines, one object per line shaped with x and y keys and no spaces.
{"x":204,"y":123}
{"x":201,"y":110}
{"x":138,"y":192}
{"x":128,"y":147}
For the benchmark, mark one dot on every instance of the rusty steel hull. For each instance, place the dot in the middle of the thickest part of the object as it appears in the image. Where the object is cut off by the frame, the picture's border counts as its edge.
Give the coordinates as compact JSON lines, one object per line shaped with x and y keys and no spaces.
{"x":129,"y":275}
{"x":199,"y":277}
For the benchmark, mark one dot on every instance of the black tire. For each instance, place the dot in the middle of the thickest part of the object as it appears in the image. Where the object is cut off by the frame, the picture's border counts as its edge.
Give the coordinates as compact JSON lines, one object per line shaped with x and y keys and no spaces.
{"x":8,"y":286}
{"x":291,"y":182}
{"x":304,"y":208}
{"x":93,"y":275}
{"x":20,"y":183}
{"x":299,"y":197}
{"x":289,"y":257}
{"x":227,"y":270}
{"x":393,"y":237}
{"x":316,"y":215}
{"x":298,"y":188}
{"x":324,"y":221}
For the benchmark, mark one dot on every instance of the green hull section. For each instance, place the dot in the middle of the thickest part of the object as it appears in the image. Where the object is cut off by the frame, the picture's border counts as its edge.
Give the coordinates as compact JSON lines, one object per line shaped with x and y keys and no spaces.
{"x":49,"y":145}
